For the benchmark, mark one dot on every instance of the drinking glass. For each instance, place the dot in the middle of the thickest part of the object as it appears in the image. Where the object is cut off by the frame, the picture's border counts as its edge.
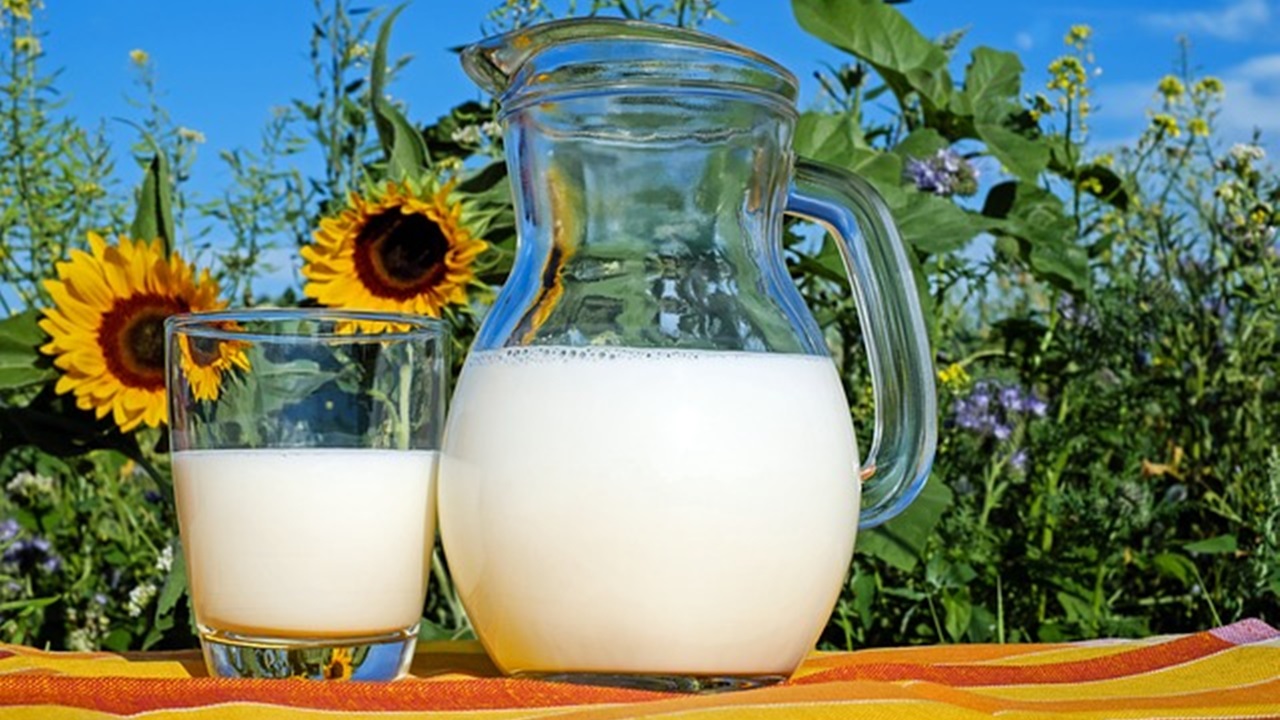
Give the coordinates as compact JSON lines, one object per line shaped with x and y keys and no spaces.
{"x":304,"y":447}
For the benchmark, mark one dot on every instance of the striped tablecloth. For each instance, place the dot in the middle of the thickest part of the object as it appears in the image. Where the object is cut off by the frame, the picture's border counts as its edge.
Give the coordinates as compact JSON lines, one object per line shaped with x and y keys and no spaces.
{"x":1230,"y":672}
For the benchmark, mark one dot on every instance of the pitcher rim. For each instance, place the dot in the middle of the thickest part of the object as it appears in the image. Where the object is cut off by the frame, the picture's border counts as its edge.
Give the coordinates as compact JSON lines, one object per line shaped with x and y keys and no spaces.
{"x":495,"y":62}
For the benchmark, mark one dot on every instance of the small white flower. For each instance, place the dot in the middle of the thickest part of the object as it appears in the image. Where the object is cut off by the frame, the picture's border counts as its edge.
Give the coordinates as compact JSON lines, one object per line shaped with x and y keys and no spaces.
{"x":491,"y":128}
{"x":468,"y":135}
{"x":1244,"y":153}
{"x":190,"y":135}
{"x":81,"y":640}
{"x":164,"y":562}
{"x":30,"y":485}
{"x":139,"y":598}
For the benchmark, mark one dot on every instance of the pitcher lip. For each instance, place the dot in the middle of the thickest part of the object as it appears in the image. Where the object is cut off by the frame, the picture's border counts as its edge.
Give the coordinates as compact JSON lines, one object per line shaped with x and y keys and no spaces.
{"x":495,"y":63}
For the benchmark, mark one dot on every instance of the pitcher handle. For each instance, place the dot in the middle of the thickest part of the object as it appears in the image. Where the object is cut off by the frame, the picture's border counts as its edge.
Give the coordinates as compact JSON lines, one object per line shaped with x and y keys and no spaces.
{"x":893,"y":330}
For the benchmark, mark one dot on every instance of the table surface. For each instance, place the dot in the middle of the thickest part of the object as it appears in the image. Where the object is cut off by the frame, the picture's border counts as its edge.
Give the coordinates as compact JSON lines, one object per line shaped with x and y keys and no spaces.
{"x":1233,"y":671}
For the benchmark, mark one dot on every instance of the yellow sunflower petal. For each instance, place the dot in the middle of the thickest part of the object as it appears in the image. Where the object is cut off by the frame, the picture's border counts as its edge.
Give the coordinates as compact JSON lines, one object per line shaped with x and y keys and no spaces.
{"x":100,"y":300}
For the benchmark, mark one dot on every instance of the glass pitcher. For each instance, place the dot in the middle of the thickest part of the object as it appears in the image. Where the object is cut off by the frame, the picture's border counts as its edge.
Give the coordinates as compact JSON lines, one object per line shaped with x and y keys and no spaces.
{"x":649,"y":474}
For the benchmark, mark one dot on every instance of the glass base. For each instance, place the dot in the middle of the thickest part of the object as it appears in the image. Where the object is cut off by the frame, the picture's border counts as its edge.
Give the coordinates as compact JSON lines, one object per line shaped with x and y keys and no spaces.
{"x":657,"y":682}
{"x":370,"y":658}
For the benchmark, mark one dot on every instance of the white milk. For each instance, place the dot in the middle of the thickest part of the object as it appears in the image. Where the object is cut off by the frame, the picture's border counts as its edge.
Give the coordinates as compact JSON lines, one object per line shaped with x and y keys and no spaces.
{"x":308,"y":542}
{"x":648,"y":511}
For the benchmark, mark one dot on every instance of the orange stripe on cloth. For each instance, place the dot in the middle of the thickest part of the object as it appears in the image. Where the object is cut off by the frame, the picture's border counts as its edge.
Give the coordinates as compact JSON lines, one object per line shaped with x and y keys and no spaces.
{"x":1125,"y":662}
{"x":128,"y":696}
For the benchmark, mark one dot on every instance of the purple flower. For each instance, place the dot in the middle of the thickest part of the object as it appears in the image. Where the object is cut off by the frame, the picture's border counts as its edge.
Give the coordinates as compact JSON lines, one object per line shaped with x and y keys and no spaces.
{"x":946,"y":172}
{"x":926,"y":177}
{"x":35,"y":551}
{"x":152,"y":496}
{"x":100,"y":599}
{"x":1012,"y":399}
{"x":1018,"y":460}
{"x":992,"y":410}
{"x":8,"y":529}
{"x":1035,"y":406}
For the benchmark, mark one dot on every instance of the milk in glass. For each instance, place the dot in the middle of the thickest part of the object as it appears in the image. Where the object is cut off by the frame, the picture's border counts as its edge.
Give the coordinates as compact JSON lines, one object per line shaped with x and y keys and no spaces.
{"x":612,"y":510}
{"x":307,"y":542}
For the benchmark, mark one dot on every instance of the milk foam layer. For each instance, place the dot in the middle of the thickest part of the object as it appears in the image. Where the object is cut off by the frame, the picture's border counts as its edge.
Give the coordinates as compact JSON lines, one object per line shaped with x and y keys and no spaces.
{"x":307,"y":543}
{"x":648,"y":511}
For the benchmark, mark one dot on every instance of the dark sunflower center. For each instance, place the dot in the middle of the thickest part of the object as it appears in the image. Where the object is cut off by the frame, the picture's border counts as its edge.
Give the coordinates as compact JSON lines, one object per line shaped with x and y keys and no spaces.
{"x":398,"y":256}
{"x":132,"y":339}
{"x":203,"y":350}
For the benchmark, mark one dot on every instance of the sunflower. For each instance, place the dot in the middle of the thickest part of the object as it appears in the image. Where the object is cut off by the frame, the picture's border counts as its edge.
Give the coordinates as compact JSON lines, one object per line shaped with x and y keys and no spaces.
{"x":204,"y":360}
{"x":341,"y":665}
{"x":398,"y":251}
{"x":106,"y":328}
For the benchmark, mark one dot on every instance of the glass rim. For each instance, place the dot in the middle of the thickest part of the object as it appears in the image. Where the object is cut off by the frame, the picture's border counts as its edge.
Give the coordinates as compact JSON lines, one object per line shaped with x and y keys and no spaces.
{"x":214,"y":325}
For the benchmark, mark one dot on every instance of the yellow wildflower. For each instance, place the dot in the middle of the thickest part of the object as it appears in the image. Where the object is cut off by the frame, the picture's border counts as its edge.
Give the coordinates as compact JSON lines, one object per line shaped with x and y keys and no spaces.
{"x":1171,"y":88}
{"x":954,"y":376}
{"x":139,"y":56}
{"x":1091,"y":185}
{"x":1166,"y":124}
{"x":28,"y":44}
{"x":1259,"y":216}
{"x":1199,"y":127}
{"x":1066,"y":74}
{"x":1078,"y":35}
{"x":20,"y":9}
{"x":1209,"y":86}
{"x":1106,"y":160}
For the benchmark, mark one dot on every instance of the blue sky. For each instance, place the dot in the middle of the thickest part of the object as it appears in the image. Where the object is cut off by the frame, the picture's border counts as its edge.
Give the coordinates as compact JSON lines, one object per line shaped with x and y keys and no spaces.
{"x":224,"y":65}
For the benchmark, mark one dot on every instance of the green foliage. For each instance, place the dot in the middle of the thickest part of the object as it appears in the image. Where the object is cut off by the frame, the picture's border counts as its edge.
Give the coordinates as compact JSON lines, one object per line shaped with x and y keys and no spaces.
{"x":55,"y":175}
{"x":1107,"y":328}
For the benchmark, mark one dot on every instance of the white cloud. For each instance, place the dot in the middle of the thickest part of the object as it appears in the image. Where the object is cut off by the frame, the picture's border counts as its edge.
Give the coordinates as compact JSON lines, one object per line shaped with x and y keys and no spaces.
{"x":1024,"y":40}
{"x":1253,"y":98}
{"x":1235,"y":21}
{"x":1252,"y":101}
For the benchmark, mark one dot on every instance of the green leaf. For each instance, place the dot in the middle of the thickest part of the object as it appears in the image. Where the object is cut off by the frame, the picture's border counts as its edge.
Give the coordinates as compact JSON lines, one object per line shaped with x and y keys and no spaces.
{"x":28,"y":604}
{"x":1035,"y":217}
{"x":863,"y":587}
{"x":1065,"y":265}
{"x":154,"y":217}
{"x":21,"y":362}
{"x":880,"y":35}
{"x":378,"y":77}
{"x":1077,"y":609}
{"x":1112,"y":190}
{"x":992,"y":83}
{"x":403,"y":145}
{"x":921,"y":144}
{"x":1176,"y":566}
{"x":118,"y":640}
{"x":958,"y":610}
{"x":829,"y":138}
{"x":1219,"y":545}
{"x":408,"y":154}
{"x":1020,"y":155}
{"x":935,"y":225}
{"x":825,"y":137}
{"x":901,"y":541}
